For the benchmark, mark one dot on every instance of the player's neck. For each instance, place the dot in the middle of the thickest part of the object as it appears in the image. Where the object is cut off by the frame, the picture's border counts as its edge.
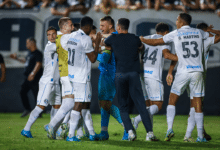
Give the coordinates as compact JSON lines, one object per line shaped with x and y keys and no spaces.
{"x":32,"y":49}
{"x":112,"y":30}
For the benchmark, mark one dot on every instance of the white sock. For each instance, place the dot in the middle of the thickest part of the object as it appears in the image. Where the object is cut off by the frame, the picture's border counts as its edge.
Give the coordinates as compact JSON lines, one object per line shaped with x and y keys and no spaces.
{"x":51,"y":113}
{"x":85,"y":128}
{"x":137,"y":119}
{"x":191,"y":122}
{"x":74,"y":119}
{"x":55,"y":111}
{"x":171,"y":111}
{"x":66,"y":106}
{"x":88,"y":120}
{"x":67,"y":117}
{"x":33,"y":117}
{"x":199,"y":124}
{"x":79,"y":127}
{"x":151,"y":116}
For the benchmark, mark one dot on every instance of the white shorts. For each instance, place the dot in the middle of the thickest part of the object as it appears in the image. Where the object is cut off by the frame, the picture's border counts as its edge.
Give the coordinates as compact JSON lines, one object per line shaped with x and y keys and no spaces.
{"x":48,"y":93}
{"x":144,"y":89}
{"x":67,"y":87}
{"x":193,"y":80}
{"x":154,"y":89}
{"x":83,"y":92}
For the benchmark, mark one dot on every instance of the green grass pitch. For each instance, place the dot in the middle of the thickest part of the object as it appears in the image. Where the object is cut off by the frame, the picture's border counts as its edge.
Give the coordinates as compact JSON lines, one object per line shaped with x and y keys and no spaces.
{"x":11,"y":125}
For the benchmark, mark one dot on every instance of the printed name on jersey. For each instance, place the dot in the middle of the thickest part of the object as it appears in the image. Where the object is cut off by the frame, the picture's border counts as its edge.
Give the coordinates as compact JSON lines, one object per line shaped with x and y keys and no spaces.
{"x":191,"y":36}
{"x":187,"y":33}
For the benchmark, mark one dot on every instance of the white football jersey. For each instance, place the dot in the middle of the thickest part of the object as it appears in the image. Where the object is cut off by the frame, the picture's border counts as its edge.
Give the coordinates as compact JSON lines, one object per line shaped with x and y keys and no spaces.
{"x":51,"y":68}
{"x":153,"y":59}
{"x":79,"y":66}
{"x":188,"y":44}
{"x":207,"y":43}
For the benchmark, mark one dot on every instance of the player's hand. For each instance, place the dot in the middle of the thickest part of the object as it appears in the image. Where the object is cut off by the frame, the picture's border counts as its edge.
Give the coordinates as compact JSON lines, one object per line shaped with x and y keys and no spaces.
{"x":141,"y":38}
{"x":66,"y":13}
{"x":169,"y":79}
{"x":13,"y":56}
{"x":98,"y":38}
{"x":2,"y":79}
{"x":31,"y":77}
{"x":209,"y":28}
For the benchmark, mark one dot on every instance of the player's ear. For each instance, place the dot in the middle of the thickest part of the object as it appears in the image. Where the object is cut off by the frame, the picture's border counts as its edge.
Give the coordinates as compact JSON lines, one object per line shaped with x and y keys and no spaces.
{"x":110,"y":26}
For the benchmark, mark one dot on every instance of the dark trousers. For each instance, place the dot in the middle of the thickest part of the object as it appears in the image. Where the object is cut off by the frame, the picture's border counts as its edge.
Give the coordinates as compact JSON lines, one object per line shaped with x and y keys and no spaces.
{"x":25,"y":88}
{"x":129,"y":83}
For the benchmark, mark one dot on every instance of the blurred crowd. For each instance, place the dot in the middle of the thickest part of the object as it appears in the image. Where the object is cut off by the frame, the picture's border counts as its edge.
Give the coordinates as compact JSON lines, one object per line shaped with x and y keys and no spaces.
{"x":64,"y":7}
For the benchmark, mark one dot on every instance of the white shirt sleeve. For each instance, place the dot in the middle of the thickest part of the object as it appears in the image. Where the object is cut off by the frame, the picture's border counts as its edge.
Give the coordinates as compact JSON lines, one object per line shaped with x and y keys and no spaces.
{"x":168,"y":38}
{"x":167,"y":46}
{"x":22,"y":3}
{"x":63,"y":40}
{"x":87,"y":44}
{"x":205,"y":35}
{"x":97,"y":2}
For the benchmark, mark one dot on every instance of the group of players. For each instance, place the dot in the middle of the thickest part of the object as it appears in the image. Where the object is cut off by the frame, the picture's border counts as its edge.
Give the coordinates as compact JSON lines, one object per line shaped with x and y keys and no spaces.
{"x":68,"y":56}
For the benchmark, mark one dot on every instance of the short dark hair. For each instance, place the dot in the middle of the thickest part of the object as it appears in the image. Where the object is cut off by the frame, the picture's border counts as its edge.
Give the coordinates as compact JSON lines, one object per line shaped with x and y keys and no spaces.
{"x":51,"y":28}
{"x":94,"y":27}
{"x":186,"y":17}
{"x":32,"y":39}
{"x":124,"y":23}
{"x":202,"y":26}
{"x":63,"y":21}
{"x":162,"y":27}
{"x":109,"y":19}
{"x":86,"y":21}
{"x":76,"y":26}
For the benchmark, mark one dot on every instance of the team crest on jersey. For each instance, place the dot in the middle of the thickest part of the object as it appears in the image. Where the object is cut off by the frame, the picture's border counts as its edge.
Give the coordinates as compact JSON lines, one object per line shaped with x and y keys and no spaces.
{"x":89,"y":96}
{"x":46,"y":101}
{"x":179,"y":37}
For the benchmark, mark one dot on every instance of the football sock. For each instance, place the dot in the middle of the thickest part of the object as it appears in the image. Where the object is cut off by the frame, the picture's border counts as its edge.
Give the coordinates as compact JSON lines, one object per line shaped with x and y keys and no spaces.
{"x":85,"y":128}
{"x":115,"y":112}
{"x":153,"y":109}
{"x":137,"y":119}
{"x":79,"y":127}
{"x":74,"y":120}
{"x":104,"y":120}
{"x":67,"y":117}
{"x":88,"y":120}
{"x":54,"y":112}
{"x":191,"y":122}
{"x":51,"y":113}
{"x":199,"y":124}
{"x":33,"y":117}
{"x":66,"y":106}
{"x":171,"y":111}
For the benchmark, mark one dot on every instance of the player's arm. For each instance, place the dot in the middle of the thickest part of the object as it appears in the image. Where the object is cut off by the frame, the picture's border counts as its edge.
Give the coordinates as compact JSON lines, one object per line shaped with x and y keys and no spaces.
{"x":217,"y":32}
{"x":193,"y":6}
{"x":168,"y":55}
{"x":169,"y":77}
{"x":14,"y":56}
{"x":55,"y":12}
{"x":93,"y":55}
{"x":3,"y":69}
{"x":141,"y":48}
{"x":35,"y":71}
{"x":152,"y":42}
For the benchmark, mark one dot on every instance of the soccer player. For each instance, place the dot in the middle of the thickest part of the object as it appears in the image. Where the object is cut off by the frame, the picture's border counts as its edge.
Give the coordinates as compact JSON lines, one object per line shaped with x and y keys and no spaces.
{"x":153,"y":59}
{"x":66,"y":26}
{"x":80,"y":55}
{"x":3,"y":69}
{"x":207,"y":43}
{"x":188,"y":45}
{"x":106,"y":85}
{"x":49,"y":88}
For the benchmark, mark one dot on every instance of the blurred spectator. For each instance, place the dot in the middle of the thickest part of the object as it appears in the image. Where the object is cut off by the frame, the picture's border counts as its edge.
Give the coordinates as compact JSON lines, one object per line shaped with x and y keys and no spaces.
{"x":166,"y":4}
{"x":17,"y":4}
{"x":45,"y":3}
{"x":218,"y":7}
{"x":130,"y":4}
{"x":60,"y":4}
{"x":178,"y":5}
{"x":33,"y":71}
{"x":3,"y":69}
{"x":207,"y":4}
{"x":82,"y":6}
{"x":104,"y":5}
{"x":191,"y":4}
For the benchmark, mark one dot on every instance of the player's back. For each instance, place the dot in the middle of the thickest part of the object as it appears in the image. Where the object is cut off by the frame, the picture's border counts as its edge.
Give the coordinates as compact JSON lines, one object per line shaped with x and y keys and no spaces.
{"x":51,"y":71}
{"x":188,"y":46}
{"x":153,"y":59}
{"x":79,"y":65}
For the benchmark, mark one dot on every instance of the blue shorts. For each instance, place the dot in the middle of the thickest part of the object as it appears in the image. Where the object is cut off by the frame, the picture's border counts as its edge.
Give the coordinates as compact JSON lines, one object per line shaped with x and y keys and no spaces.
{"x":106,"y":87}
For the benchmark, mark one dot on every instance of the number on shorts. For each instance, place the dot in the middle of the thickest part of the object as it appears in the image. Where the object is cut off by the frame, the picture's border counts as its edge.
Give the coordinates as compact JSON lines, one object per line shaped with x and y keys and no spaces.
{"x":153,"y":56}
{"x":195,"y":48}
{"x":71,"y":56}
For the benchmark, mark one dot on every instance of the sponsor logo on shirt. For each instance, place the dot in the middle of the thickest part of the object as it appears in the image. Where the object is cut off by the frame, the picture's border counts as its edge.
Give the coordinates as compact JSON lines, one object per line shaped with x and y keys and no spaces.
{"x":147,"y":71}
{"x":187,"y":33}
{"x":193,"y":67}
{"x":73,"y":41}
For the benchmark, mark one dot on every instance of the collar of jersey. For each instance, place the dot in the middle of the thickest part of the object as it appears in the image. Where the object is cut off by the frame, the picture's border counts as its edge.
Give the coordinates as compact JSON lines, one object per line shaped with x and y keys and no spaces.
{"x":184,"y":27}
{"x":82,"y":31}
